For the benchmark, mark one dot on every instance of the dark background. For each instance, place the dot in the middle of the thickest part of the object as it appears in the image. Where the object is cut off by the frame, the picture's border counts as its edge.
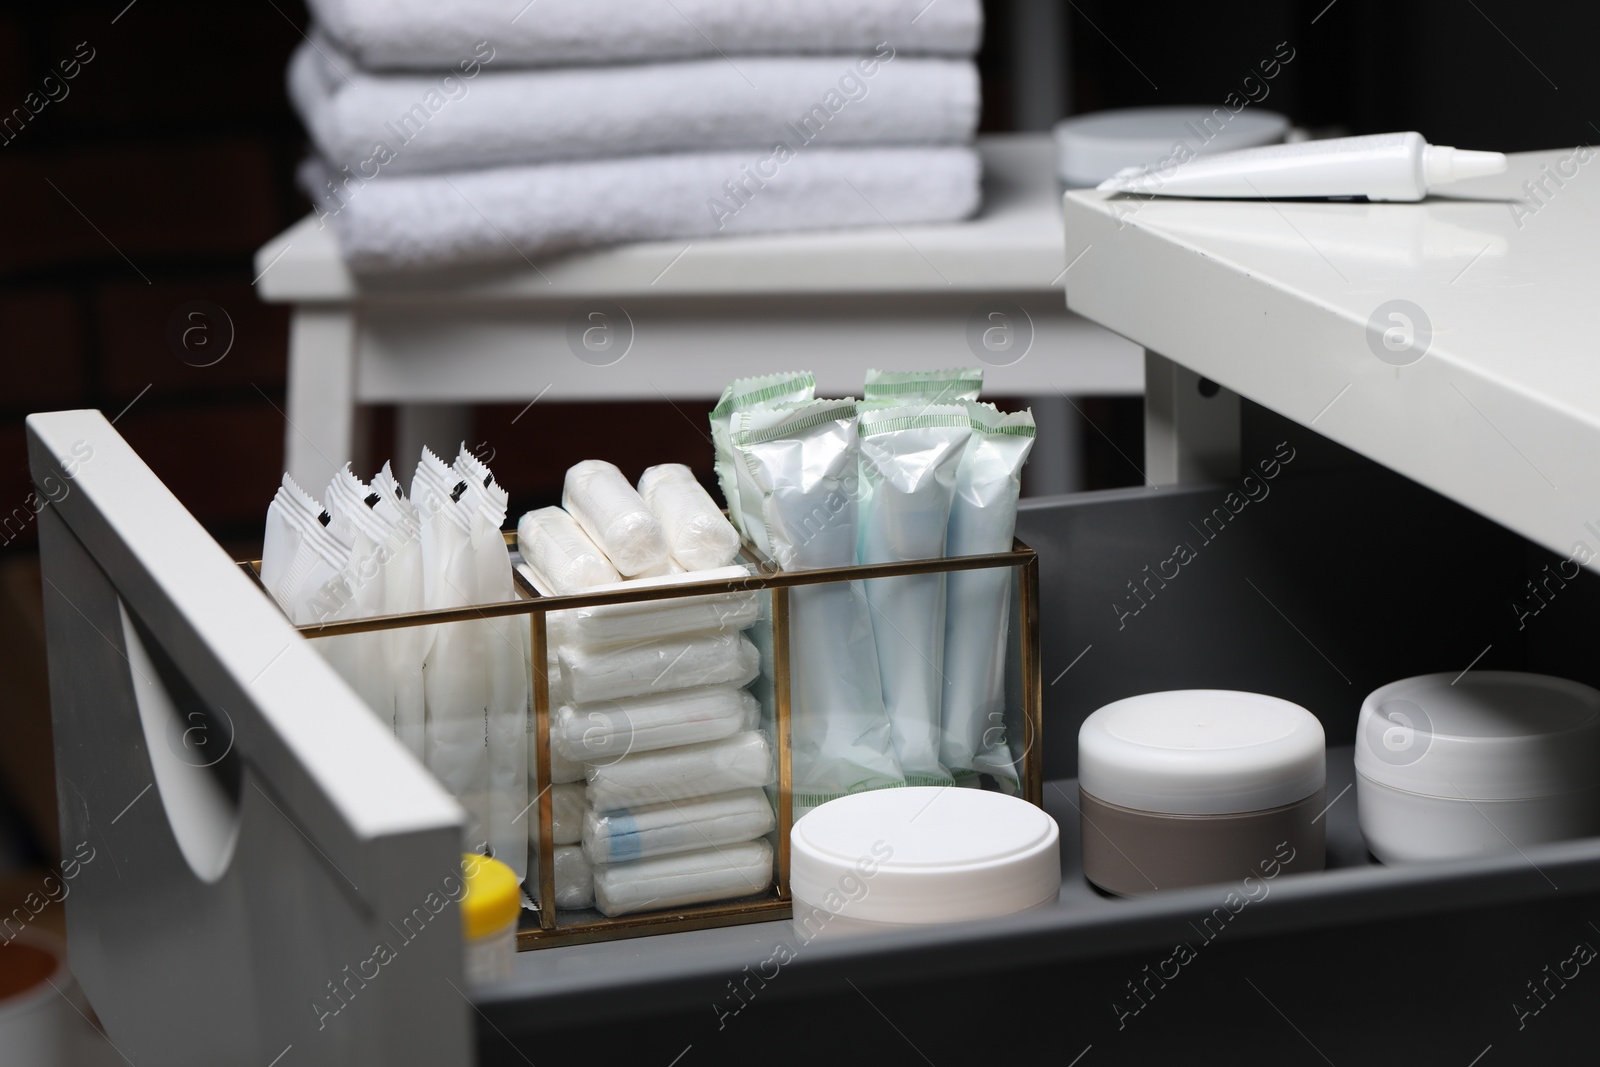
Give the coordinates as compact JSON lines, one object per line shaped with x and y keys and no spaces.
{"x":169,"y":163}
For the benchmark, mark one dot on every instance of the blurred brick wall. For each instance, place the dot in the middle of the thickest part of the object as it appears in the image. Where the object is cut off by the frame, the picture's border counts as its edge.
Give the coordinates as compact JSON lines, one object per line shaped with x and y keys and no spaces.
{"x":147,"y":184}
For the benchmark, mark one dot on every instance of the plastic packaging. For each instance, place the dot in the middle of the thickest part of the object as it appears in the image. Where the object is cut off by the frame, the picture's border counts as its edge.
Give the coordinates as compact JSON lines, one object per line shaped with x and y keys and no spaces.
{"x":742,"y":394}
{"x":1381,"y":166}
{"x":600,"y":733}
{"x":568,"y":803}
{"x":668,"y":663}
{"x":614,"y":516}
{"x":983,"y":520}
{"x":504,"y":660}
{"x":574,"y":878}
{"x":909,"y":457}
{"x":611,"y":624}
{"x":560,"y":556}
{"x":299,"y":555}
{"x":895,"y":388}
{"x":402,"y":582}
{"x":1450,"y":766}
{"x":698,"y":535}
{"x":363,"y":659}
{"x":455,"y":685}
{"x":678,"y":826}
{"x":801,"y":464}
{"x":684,"y":878}
{"x":673,"y":774}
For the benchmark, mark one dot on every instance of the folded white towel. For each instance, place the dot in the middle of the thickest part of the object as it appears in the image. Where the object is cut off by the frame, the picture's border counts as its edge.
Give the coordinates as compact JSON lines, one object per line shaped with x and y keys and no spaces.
{"x":426,"y":34}
{"x":673,"y":774}
{"x":611,"y":729}
{"x":408,"y":124}
{"x":660,"y":666}
{"x":511,"y":214}
{"x":681,"y":826}
{"x":684,"y":878}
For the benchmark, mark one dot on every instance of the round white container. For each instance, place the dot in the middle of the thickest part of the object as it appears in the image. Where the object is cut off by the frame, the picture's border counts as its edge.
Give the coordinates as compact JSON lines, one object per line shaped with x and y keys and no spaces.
{"x":1453,"y":766}
{"x":1197,"y":786}
{"x":895,"y":858}
{"x":1091,"y":148}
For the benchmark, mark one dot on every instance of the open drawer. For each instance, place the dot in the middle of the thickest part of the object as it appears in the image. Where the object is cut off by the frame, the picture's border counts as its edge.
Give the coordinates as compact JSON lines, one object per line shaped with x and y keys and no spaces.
{"x":234,"y":914}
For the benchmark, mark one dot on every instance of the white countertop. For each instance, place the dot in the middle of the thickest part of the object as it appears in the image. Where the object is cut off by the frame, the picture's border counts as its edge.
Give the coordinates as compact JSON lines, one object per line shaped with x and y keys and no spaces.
{"x":1273,"y":300}
{"x":1013,"y":245}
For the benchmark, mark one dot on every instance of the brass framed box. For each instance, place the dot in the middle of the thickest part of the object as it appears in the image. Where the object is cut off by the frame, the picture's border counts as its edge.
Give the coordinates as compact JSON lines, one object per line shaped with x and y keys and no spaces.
{"x":546,"y":926}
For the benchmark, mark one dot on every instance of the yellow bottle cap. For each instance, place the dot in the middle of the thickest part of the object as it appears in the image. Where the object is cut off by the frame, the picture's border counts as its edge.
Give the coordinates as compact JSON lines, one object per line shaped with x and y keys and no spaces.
{"x":492,"y":900}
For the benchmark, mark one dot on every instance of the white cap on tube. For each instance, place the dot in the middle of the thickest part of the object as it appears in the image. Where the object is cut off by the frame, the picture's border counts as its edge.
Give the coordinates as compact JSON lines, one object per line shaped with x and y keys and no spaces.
{"x":1442,"y":164}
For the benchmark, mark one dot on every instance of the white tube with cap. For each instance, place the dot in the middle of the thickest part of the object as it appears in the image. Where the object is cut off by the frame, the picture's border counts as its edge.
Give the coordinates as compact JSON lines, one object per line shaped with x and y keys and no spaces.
{"x":1383,"y":166}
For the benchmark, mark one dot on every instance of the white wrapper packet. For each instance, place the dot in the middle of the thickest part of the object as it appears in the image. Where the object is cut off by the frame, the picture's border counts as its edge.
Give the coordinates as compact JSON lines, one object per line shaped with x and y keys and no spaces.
{"x":614,"y":516}
{"x":300,"y":555}
{"x":561,"y":557}
{"x":798,"y":462}
{"x":568,"y":803}
{"x":683,"y":878}
{"x":680,"y":826}
{"x":609,"y":730}
{"x":611,"y":624}
{"x":618,"y":671}
{"x":978,"y":617}
{"x":673,"y":774}
{"x":698,"y":535}
{"x":909,"y":457}
{"x":363,"y":659}
{"x":402,"y":579}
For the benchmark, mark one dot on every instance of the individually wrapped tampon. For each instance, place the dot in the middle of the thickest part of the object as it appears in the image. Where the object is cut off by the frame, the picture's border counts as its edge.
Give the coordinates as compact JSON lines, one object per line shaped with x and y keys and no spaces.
{"x":567,"y":806}
{"x":611,"y":624}
{"x":561,"y":556}
{"x":698,"y":535}
{"x":909,"y":457}
{"x":611,"y":729}
{"x":684,"y":878}
{"x":618,"y":671}
{"x":614,"y":516}
{"x":801,"y":462}
{"x":677,"y":826}
{"x":983,"y":519}
{"x":672,"y":774}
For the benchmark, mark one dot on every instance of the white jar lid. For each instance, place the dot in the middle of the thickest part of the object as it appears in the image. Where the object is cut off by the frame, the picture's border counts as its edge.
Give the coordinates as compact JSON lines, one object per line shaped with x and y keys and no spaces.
{"x":1201,"y":752}
{"x":1091,"y":148}
{"x":1483,"y":735}
{"x":925,"y":854}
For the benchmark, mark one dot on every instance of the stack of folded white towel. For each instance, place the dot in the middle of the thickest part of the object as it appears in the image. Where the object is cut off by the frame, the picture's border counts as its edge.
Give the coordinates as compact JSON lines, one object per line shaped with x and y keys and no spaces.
{"x":657,"y":754}
{"x":472,"y":132}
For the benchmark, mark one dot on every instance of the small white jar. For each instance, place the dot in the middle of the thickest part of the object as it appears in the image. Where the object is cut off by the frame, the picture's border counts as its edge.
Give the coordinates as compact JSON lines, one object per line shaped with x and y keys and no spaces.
{"x":1449,"y":766}
{"x":897,"y":858}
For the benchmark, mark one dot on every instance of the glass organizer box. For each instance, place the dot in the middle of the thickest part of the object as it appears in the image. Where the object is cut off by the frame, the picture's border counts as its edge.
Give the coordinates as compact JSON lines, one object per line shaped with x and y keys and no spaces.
{"x":754,"y":608}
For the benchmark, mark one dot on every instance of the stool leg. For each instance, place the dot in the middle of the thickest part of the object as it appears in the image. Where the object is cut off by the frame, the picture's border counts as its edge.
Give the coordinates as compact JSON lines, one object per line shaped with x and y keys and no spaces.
{"x":321,"y":437}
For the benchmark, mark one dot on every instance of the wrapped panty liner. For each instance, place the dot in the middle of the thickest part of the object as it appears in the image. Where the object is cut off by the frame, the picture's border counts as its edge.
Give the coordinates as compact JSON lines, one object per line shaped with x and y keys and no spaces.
{"x":610,"y":729}
{"x":698,"y":536}
{"x":614,"y":516}
{"x":674,"y":774}
{"x":682,"y":826}
{"x":592,"y":674}
{"x":610,"y":624}
{"x":741,"y":395}
{"x":683,"y":878}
